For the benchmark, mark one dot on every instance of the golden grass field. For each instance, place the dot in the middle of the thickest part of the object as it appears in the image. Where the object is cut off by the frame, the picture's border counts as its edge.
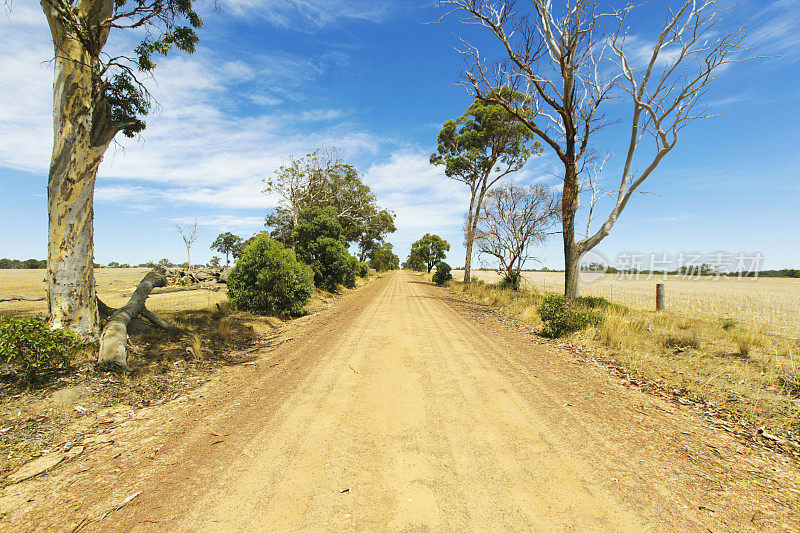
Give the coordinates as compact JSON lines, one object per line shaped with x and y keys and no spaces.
{"x":739,"y":367}
{"x":111,"y":284}
{"x":769,"y":303}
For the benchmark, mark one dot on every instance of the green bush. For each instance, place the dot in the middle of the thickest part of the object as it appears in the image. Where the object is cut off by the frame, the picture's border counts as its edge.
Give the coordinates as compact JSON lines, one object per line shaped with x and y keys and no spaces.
{"x":332,"y":264}
{"x":442,"y":273}
{"x":511,"y":280}
{"x":319,"y":243}
{"x":28,"y":344}
{"x":594,"y":302}
{"x":562,"y":317}
{"x":363,"y":269}
{"x":269,"y":280}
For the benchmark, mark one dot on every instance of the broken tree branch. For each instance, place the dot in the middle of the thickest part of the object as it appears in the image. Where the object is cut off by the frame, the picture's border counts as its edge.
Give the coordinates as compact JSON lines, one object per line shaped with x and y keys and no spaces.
{"x":113,"y":341}
{"x":20,"y":299}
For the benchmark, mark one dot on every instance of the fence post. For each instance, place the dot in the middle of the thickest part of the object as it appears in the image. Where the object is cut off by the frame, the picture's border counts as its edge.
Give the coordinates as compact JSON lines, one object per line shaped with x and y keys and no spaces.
{"x":661,"y":296}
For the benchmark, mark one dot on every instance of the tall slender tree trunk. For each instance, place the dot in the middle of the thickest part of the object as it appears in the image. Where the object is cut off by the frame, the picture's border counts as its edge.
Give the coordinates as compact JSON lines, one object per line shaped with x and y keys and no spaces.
{"x":471,"y":216}
{"x":572,"y":251}
{"x":472,"y":226}
{"x":78,"y":148}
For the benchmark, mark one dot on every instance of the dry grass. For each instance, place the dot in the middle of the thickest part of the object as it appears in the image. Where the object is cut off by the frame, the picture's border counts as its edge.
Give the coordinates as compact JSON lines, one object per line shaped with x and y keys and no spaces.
{"x":769,"y":303}
{"x":744,"y":369}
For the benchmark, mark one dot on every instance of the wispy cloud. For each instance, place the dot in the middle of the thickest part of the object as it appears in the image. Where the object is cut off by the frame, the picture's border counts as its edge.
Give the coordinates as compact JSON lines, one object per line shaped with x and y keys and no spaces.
{"x":307,"y":15}
{"x":224,"y":221}
{"x":200,"y":146}
{"x":773,"y":29}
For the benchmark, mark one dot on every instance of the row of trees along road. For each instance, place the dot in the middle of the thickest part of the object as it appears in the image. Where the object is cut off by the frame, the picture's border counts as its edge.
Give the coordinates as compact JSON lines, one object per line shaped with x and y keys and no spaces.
{"x":565,"y":61}
{"x":323,"y":181}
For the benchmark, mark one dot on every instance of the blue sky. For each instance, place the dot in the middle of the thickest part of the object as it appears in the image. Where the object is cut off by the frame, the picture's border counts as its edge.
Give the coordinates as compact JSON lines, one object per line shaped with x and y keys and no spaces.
{"x":274,"y":78}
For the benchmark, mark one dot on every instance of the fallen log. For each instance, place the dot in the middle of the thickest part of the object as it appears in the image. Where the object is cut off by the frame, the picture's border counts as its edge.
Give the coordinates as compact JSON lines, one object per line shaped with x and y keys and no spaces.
{"x":113,"y":341}
{"x":106,"y":312}
{"x":167,"y":290}
{"x":20,"y":299}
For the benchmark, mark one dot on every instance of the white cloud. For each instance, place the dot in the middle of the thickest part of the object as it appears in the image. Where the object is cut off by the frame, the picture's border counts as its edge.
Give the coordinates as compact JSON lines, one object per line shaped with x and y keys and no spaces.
{"x":315,"y":115}
{"x":421,"y":196}
{"x":224,"y":222}
{"x":122,"y":193}
{"x":774,"y":29}
{"x":26,"y":90}
{"x":305,"y":15}
{"x":200,"y":146}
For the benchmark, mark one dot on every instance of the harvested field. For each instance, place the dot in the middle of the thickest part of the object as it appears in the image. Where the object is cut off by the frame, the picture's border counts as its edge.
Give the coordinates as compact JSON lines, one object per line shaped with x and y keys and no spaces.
{"x":769,"y":303}
{"x":112,"y":284}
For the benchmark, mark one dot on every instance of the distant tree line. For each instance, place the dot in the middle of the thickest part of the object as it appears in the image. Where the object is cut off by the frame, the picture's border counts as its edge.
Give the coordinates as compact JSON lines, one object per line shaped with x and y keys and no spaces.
{"x":27,"y":263}
{"x":782,"y":273}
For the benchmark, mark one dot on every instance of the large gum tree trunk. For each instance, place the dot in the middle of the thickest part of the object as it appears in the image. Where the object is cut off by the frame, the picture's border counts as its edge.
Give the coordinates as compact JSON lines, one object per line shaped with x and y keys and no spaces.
{"x":572,"y":272}
{"x":78,"y":149}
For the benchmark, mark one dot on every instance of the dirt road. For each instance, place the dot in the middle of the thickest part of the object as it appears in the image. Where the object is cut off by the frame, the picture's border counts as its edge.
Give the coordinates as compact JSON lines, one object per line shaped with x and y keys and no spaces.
{"x":403,"y":408}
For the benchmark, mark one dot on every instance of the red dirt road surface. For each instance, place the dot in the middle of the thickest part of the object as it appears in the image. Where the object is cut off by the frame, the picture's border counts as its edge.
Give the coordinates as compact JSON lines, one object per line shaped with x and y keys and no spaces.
{"x":401,"y":407}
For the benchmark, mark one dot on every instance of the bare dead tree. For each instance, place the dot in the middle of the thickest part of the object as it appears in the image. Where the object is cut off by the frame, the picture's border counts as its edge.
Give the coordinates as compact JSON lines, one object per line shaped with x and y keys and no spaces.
{"x":592,"y":184}
{"x":512,"y":220}
{"x":189,"y":235}
{"x":572,"y":58}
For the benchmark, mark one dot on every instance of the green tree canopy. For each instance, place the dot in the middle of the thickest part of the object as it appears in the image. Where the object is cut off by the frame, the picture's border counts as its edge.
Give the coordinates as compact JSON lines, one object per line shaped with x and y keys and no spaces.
{"x":429,"y":250}
{"x":268,"y":279}
{"x":320,"y":180}
{"x":319,"y":242}
{"x":226,"y":243}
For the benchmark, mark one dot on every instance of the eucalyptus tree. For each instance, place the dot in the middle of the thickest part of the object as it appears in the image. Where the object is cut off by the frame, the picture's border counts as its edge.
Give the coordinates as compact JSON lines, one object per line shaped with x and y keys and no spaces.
{"x":96,"y":95}
{"x":226,"y":243}
{"x":427,"y":251}
{"x":570,"y":58}
{"x":479,"y":148}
